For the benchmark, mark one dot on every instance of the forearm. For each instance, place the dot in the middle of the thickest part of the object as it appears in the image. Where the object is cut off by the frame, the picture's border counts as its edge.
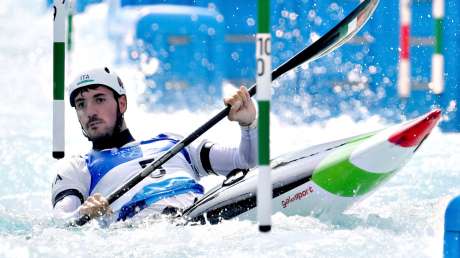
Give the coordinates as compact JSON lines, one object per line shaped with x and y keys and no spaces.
{"x":248,"y":146}
{"x":224,"y":159}
{"x":66,"y":209}
{"x":70,"y":208}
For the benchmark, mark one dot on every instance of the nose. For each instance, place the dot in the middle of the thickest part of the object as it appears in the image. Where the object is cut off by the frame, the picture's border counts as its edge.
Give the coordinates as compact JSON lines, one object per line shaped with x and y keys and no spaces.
{"x":87,"y":113}
{"x":90,"y":109}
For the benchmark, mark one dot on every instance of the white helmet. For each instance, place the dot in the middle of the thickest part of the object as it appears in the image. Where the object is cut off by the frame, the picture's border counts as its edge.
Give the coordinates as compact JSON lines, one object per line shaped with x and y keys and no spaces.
{"x":101,"y":76}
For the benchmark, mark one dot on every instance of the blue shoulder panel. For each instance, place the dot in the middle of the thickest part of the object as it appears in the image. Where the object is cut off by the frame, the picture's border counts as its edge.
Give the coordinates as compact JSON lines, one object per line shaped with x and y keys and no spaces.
{"x":164,"y":137}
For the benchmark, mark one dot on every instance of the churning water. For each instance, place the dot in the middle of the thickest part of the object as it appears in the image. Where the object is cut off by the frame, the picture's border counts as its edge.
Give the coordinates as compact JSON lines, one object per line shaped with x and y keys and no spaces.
{"x":402,"y":218}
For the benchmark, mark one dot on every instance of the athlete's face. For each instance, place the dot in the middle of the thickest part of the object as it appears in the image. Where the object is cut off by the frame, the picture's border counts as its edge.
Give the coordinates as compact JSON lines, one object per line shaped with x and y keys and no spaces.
{"x":97,"y":111}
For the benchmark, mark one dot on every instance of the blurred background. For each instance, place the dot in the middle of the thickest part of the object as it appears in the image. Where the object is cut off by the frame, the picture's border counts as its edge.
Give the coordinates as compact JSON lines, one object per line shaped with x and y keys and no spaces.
{"x":188,"y":50}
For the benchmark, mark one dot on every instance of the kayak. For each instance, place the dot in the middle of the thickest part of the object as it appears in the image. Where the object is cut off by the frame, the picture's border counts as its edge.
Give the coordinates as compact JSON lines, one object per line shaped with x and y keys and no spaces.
{"x":322,"y":180}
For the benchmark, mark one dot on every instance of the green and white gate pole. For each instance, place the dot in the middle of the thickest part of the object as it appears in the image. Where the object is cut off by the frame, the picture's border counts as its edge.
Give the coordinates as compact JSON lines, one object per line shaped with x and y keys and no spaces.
{"x":263,"y":81}
{"x":70,"y":24}
{"x":59,"y":29}
{"x":437,"y":61}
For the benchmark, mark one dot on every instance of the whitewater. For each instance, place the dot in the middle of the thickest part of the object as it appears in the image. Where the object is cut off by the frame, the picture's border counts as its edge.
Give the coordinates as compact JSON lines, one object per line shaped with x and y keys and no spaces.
{"x":404,"y":218}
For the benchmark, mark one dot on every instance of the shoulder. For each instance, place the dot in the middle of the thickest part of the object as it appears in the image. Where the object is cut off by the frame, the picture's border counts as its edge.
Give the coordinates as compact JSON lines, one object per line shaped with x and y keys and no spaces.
{"x":164,"y":136}
{"x":72,"y":168}
{"x":71,"y":178}
{"x":73,"y":163}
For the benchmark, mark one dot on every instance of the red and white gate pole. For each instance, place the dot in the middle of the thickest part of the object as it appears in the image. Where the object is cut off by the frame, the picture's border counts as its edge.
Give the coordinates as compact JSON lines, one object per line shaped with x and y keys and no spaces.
{"x":404,"y":76}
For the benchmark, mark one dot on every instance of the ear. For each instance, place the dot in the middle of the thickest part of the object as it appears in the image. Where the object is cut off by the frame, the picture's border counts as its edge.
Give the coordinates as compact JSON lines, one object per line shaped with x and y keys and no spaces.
{"x":123,"y":103}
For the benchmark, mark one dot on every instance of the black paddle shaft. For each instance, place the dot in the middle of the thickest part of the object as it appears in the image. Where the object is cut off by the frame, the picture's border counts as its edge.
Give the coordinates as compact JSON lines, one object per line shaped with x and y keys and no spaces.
{"x":333,"y":39}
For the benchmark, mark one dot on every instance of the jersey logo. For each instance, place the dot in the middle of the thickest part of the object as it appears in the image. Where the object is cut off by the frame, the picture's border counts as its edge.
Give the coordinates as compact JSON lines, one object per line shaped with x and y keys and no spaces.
{"x":58,"y":177}
{"x":155,"y":174}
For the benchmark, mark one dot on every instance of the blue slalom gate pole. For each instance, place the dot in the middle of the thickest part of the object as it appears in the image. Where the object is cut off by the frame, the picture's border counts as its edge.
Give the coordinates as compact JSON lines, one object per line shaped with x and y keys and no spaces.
{"x":452,"y":229}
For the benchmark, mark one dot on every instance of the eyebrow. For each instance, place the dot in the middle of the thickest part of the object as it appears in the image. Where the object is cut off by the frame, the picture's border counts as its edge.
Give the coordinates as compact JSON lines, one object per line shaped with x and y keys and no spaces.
{"x":99,"y":95}
{"x":95,"y":96}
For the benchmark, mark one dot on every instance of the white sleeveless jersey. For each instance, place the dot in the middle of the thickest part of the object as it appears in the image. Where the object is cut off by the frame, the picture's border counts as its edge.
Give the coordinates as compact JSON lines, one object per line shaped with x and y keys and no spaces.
{"x":104,"y":171}
{"x":174,"y":184}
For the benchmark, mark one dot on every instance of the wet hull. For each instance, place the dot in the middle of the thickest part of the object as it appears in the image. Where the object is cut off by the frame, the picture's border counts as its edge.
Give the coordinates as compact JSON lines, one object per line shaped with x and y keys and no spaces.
{"x":322,"y":180}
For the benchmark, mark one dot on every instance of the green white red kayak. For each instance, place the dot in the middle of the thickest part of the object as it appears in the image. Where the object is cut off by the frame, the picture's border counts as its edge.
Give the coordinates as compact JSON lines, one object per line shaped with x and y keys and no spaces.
{"x":320,"y":180}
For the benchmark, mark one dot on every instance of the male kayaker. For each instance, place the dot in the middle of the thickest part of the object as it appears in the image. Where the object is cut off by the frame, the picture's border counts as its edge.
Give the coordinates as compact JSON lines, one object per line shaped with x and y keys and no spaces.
{"x":99,"y":98}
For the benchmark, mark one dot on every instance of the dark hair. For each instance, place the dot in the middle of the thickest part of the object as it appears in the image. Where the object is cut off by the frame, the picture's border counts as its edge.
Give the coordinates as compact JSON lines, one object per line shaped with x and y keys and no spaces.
{"x":86,"y":89}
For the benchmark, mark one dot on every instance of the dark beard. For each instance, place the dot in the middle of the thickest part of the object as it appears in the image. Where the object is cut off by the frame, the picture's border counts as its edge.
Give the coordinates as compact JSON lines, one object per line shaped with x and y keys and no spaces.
{"x":104,"y":141}
{"x":115,"y":140}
